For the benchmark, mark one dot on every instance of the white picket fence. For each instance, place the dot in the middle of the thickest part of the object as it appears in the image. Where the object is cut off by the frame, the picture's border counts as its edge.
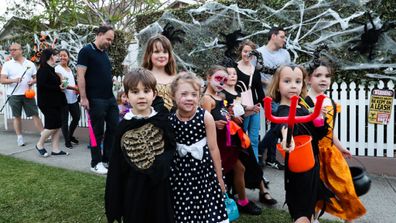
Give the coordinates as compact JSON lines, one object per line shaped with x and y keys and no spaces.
{"x":355,"y":133}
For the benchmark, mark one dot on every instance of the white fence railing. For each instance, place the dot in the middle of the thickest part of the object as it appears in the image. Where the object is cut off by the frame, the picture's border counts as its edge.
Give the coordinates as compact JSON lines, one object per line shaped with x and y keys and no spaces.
{"x":354,"y":131}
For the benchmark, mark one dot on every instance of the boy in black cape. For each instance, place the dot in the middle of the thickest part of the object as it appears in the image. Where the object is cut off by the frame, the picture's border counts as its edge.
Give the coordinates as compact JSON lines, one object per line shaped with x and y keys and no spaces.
{"x":137,"y":187}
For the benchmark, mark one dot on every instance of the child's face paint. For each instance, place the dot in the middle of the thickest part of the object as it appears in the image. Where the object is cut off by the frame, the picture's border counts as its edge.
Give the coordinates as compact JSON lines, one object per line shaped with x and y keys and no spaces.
{"x":218,"y":79}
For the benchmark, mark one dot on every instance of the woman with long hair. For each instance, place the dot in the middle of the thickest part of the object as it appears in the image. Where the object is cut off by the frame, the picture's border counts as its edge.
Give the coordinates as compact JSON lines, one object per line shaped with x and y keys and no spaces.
{"x":50,"y":100}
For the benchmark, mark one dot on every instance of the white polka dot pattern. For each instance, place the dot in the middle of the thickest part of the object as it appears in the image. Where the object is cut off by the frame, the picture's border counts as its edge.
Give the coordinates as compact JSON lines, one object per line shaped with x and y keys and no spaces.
{"x":196,"y":193}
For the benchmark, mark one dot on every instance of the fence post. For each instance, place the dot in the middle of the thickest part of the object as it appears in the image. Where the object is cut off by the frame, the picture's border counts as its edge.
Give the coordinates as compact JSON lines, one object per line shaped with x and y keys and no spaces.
{"x":362,"y":119}
{"x":390,"y":128}
{"x":352,"y":116}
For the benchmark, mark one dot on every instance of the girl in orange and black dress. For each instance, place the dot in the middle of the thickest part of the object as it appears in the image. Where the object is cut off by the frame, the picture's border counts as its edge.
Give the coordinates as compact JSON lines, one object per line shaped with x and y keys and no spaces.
{"x":334,"y":170}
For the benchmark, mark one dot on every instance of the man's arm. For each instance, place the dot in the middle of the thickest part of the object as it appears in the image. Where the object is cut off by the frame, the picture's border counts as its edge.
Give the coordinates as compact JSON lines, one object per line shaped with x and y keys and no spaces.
{"x":5,"y":80}
{"x":81,"y":70}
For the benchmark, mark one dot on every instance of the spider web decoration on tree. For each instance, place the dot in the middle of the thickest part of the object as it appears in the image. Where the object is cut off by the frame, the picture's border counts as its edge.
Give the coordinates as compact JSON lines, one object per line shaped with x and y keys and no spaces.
{"x":315,"y":63}
{"x":307,"y":25}
{"x":41,"y":43}
{"x":370,"y":37}
{"x":174,"y":35}
{"x":232,"y":41}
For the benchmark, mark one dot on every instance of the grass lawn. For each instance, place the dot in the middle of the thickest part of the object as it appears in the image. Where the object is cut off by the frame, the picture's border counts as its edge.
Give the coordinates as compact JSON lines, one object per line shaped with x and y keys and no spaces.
{"x":31,"y":192}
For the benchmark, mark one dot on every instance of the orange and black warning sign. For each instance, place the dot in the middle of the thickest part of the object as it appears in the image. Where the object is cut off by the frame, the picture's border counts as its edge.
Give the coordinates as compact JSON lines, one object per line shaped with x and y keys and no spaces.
{"x":381,"y":103}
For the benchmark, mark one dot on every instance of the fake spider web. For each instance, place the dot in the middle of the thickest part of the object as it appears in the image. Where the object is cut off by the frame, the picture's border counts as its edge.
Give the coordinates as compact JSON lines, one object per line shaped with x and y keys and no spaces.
{"x":307,"y":28}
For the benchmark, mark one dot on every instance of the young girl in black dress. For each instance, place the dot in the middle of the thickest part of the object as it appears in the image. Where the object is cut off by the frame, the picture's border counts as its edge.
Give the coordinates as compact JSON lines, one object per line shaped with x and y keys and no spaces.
{"x":303,"y":189}
{"x":196,"y":177}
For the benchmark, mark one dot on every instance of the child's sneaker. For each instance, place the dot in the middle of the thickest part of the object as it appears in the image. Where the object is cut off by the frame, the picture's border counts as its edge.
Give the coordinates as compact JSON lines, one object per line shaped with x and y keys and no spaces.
{"x":275,"y":165}
{"x":99,"y":169}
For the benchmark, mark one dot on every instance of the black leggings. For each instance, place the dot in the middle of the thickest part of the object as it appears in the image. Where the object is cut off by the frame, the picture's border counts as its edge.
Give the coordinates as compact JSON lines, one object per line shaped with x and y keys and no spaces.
{"x":75,"y":113}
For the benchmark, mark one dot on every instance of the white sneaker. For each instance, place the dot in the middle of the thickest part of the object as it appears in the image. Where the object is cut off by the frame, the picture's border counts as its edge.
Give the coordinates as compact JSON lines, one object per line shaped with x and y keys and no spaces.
{"x":20,"y":141}
{"x":99,"y":169}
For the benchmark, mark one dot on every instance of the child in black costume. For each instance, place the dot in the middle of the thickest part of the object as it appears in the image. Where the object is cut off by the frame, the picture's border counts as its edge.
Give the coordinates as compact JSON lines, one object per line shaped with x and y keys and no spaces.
{"x":303,"y":189}
{"x":249,"y":168}
{"x":137,"y":187}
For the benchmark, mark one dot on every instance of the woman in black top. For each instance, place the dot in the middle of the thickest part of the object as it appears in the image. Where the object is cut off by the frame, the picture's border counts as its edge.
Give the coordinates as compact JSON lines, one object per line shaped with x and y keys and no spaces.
{"x":245,"y":71}
{"x":50,"y":100}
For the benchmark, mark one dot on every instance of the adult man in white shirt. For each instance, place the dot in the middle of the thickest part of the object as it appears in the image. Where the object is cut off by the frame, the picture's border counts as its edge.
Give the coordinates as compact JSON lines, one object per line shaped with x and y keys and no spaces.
{"x":274,"y":55}
{"x":19,"y":73}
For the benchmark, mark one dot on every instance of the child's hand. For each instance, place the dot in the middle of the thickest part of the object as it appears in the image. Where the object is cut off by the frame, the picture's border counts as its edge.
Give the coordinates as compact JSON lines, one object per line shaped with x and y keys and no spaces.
{"x":230,"y":110}
{"x":346,"y":153}
{"x":238,"y":120}
{"x":284,"y":143}
{"x":220,"y":124}
{"x":256,"y":108}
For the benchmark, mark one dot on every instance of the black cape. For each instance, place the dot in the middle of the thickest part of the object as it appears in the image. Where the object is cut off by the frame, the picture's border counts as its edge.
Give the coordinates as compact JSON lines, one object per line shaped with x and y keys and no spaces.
{"x":304,"y":189}
{"x":134,"y":194}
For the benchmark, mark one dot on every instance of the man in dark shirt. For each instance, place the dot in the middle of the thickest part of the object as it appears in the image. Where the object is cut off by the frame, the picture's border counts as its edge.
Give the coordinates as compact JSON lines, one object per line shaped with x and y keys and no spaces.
{"x":95,"y":83}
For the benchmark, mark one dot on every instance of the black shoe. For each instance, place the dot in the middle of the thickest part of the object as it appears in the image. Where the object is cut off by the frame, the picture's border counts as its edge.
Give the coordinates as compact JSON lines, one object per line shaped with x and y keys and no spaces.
{"x":275,"y":165}
{"x":74,"y":140}
{"x":43,"y":152}
{"x":68,"y":145}
{"x":265,"y":200}
{"x":251,"y":208}
{"x":60,"y":153}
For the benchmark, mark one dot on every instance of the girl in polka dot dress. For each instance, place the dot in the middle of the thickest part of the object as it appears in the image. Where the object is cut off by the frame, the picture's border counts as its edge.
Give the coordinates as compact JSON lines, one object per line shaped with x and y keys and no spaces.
{"x":197,"y":185}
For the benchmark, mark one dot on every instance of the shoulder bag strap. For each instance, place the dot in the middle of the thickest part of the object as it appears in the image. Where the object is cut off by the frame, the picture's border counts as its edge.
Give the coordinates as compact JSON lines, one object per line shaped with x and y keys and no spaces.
{"x":250,"y":80}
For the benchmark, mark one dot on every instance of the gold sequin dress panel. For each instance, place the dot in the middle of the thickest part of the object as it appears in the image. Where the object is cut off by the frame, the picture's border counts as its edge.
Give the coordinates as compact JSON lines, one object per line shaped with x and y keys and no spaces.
{"x":165,"y":92}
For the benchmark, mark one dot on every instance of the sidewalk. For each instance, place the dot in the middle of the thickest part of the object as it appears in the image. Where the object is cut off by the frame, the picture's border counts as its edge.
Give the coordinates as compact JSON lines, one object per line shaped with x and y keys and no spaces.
{"x":380,"y":202}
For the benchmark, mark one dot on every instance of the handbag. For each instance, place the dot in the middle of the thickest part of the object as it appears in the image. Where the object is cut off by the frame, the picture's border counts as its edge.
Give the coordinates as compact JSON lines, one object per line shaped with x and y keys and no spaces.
{"x":232,"y":209}
{"x":246,"y":95}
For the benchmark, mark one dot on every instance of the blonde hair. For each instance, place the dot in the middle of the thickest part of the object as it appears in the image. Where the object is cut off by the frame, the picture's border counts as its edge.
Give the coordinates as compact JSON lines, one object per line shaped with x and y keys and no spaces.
{"x":170,"y":67}
{"x":273,"y":89}
{"x":185,"y":77}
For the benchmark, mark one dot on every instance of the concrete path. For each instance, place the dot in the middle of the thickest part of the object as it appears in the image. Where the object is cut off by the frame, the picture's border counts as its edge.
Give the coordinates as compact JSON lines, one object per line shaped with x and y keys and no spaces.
{"x":380,"y":202}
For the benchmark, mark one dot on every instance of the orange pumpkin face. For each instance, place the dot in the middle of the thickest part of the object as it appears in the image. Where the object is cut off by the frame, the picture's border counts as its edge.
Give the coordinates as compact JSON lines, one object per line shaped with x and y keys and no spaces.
{"x":29,"y":93}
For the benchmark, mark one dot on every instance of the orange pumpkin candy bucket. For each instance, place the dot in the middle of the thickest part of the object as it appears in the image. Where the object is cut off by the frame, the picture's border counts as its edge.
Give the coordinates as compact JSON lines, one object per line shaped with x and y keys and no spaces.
{"x":301,"y":159}
{"x":29,"y":93}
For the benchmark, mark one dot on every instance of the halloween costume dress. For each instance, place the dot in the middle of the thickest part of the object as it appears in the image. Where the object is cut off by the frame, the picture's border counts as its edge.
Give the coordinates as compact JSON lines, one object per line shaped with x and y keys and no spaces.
{"x":228,"y":153}
{"x":335,"y":173}
{"x":137,"y":186}
{"x":303,"y":189}
{"x":196,"y":192}
{"x":253,"y":172}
